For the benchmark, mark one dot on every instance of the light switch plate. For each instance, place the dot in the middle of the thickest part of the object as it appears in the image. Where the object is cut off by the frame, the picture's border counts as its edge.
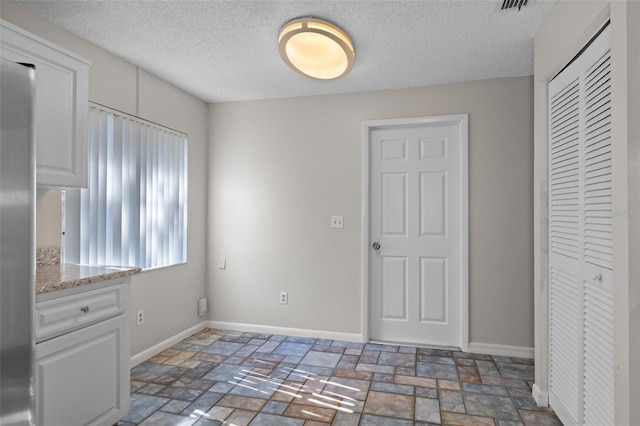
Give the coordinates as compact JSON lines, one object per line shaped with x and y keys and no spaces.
{"x":337,"y":222}
{"x":222,"y":262}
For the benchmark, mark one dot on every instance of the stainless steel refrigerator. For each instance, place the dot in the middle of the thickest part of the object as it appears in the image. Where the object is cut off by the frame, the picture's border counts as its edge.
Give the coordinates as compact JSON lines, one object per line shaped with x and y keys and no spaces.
{"x":17,"y":244}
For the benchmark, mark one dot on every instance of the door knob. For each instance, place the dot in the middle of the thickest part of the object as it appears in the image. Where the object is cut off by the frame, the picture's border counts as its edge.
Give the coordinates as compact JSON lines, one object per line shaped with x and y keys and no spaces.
{"x":597,"y":277}
{"x":376,"y":245}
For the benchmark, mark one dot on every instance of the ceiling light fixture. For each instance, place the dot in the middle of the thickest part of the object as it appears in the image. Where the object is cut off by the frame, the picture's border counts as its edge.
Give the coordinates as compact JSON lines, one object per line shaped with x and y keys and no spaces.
{"x":316,"y":48}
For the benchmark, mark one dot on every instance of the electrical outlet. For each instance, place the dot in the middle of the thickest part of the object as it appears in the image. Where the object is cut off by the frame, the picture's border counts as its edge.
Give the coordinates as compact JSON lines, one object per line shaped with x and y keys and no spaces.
{"x":284,"y":297}
{"x":140,"y":317}
{"x":222,"y":262}
{"x":337,"y":222}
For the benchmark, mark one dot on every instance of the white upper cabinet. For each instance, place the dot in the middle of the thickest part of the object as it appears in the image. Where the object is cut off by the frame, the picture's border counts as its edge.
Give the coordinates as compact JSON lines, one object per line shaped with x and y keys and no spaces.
{"x":62,"y":100}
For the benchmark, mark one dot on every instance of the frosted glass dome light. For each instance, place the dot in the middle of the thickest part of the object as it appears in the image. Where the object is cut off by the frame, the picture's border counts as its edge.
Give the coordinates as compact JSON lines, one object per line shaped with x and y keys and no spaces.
{"x":316,"y":48}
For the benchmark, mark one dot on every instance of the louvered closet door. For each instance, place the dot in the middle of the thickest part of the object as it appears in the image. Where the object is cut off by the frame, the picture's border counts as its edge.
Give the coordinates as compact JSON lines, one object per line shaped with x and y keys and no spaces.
{"x":597,"y":267}
{"x":580,"y":239}
{"x":564,"y":249}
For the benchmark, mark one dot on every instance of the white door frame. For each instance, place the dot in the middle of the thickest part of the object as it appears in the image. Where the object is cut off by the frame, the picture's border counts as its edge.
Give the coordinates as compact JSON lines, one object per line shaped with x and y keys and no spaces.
{"x":462,"y":120}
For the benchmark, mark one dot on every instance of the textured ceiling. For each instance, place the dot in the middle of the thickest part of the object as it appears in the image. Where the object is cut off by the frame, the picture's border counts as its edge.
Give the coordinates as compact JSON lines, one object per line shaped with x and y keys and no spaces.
{"x":227,"y":50}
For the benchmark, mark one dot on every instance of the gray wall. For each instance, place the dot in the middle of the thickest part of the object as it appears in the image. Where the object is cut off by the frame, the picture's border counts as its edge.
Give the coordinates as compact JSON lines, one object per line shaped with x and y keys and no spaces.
{"x":168,"y":296}
{"x":278,"y":169}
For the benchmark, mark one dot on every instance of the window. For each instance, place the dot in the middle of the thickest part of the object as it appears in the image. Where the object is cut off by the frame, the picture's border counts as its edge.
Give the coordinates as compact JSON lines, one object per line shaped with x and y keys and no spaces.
{"x":134,"y":211}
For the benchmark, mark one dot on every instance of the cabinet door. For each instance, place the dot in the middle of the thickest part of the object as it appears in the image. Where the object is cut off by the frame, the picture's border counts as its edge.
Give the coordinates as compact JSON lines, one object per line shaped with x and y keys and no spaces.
{"x":82,"y":378}
{"x":62,"y":96}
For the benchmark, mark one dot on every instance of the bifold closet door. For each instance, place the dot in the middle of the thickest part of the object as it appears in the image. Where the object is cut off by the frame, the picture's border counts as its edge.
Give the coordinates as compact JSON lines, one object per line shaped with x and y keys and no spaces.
{"x":564,"y":248}
{"x":580,"y":239}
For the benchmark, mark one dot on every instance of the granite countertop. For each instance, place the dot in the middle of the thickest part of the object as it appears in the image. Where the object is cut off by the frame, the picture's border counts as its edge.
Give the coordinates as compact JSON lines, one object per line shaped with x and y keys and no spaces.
{"x":65,"y":275}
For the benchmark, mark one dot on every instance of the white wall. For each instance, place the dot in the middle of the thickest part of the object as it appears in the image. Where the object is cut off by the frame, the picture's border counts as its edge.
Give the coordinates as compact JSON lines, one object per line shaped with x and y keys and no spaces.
{"x":280,"y":168}
{"x":569,"y":26}
{"x":168,"y":296}
{"x":48,"y":221}
{"x":629,"y":295}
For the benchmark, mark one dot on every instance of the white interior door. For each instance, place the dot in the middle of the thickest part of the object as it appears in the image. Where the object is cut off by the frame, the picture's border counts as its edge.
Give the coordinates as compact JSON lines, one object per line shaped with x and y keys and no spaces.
{"x":418,"y":279}
{"x":581,"y":239}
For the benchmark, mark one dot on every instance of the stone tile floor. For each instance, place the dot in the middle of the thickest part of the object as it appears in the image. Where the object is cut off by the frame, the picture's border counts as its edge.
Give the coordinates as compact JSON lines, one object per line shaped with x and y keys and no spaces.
{"x":219,"y":377}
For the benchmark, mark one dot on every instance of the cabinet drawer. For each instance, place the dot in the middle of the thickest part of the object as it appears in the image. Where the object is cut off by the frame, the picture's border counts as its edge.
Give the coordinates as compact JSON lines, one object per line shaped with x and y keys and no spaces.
{"x":58,"y":316}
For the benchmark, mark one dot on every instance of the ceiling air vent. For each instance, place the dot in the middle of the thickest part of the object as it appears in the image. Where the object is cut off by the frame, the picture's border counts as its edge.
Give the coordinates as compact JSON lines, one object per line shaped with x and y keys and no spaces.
{"x":511,"y":4}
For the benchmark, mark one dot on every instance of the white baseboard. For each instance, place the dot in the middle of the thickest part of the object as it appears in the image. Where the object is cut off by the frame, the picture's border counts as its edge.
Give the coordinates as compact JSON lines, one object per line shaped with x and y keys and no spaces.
{"x":298,"y":332}
{"x":141,"y":357}
{"x":541,"y":397}
{"x":501,"y":350}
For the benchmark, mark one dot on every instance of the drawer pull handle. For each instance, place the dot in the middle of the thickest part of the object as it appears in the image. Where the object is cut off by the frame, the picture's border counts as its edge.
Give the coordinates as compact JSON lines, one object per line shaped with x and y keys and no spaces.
{"x":85,"y":309}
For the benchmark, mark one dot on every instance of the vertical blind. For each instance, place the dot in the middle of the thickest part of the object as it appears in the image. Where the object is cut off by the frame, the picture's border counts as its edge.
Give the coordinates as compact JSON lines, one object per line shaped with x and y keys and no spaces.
{"x":134,"y":211}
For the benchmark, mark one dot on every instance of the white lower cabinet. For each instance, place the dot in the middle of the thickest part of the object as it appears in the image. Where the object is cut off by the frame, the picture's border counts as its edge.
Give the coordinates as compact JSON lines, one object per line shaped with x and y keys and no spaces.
{"x":82,"y":377}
